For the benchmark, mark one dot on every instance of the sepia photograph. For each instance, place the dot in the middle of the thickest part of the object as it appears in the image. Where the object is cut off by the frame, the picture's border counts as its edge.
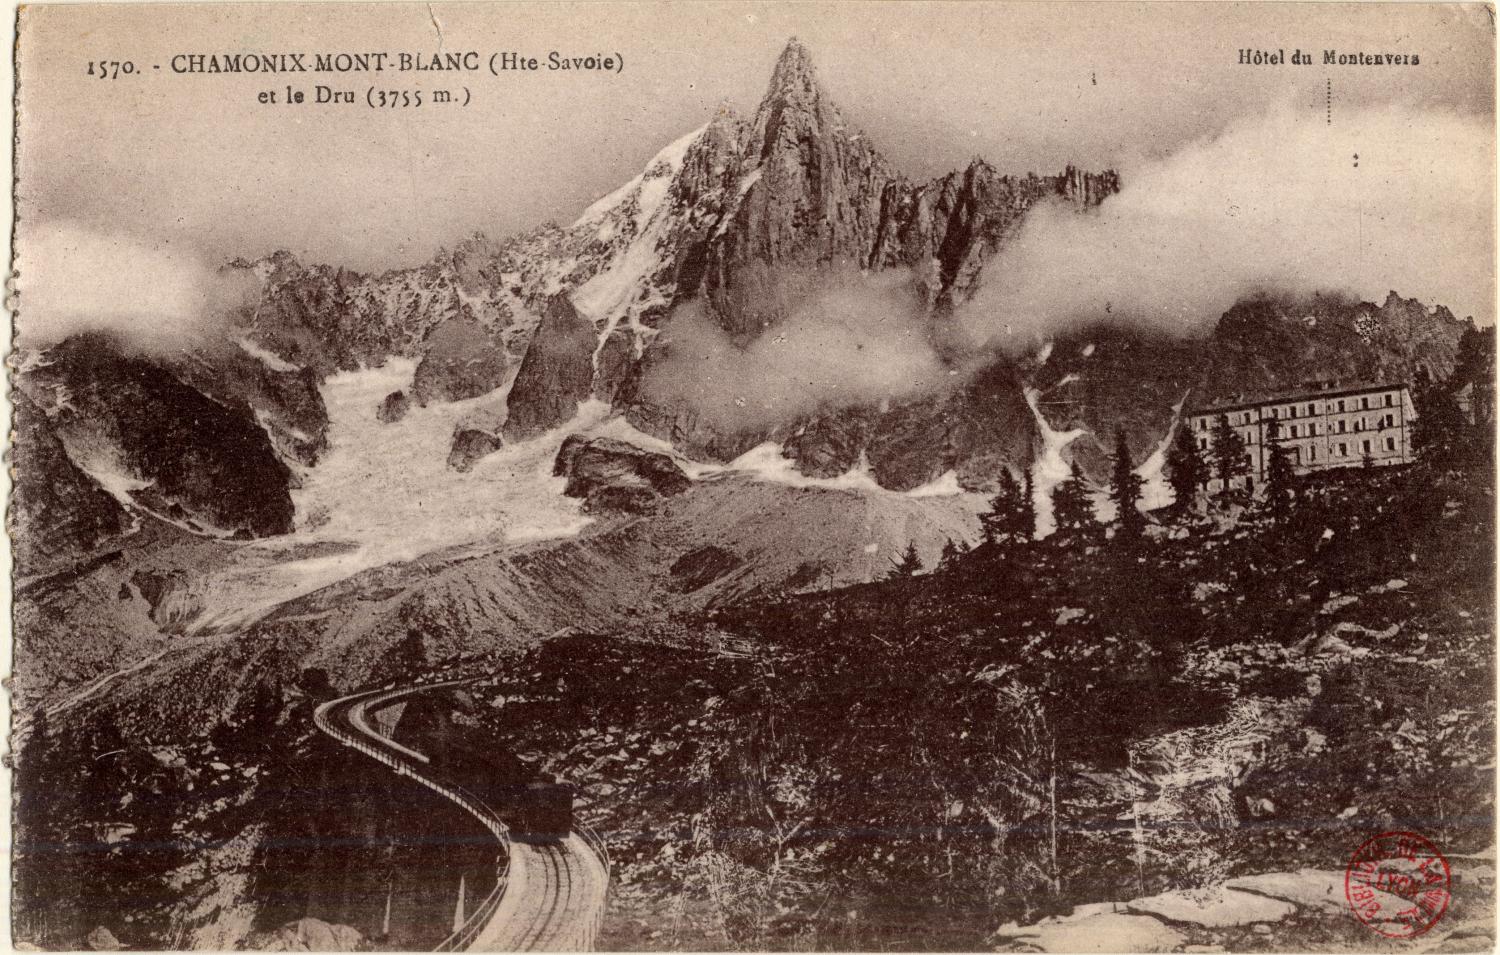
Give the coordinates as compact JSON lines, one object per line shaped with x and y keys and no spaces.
{"x":753,"y":476}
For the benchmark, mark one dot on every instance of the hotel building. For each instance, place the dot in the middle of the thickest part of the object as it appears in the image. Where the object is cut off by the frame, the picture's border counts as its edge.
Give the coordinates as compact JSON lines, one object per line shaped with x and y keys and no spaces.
{"x":1324,"y":426}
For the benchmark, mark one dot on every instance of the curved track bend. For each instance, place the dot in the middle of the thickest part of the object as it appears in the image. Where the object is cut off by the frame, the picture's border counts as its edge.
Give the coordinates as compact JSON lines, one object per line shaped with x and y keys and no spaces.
{"x":548,"y":897}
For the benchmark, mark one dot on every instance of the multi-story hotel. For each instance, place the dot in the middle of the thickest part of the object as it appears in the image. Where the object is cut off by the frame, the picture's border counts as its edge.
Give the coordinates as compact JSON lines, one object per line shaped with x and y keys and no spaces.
{"x":1324,"y":426}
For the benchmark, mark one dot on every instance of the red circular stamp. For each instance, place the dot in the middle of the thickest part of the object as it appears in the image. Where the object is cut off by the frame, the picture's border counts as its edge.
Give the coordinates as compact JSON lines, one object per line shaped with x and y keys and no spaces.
{"x":1398,"y":884}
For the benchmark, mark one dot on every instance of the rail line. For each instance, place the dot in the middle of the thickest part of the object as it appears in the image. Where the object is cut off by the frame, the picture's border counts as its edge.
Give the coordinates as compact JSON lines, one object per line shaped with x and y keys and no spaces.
{"x":547,"y":896}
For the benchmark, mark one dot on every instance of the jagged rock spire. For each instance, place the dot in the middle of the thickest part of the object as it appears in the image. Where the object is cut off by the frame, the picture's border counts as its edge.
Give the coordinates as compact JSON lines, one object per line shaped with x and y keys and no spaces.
{"x":814,"y":198}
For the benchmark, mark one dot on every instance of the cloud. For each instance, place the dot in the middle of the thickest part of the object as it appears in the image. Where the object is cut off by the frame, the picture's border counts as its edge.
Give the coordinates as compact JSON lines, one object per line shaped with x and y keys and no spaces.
{"x":1277,"y":203}
{"x":846,"y":338}
{"x":73,"y":279}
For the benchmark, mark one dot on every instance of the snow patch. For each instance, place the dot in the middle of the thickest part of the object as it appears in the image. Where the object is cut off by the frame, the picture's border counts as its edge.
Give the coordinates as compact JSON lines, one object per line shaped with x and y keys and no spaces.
{"x":1050,"y":468}
{"x":1157,"y":492}
{"x":944,"y":485}
{"x":270,"y":359}
{"x":768,"y":462}
{"x":652,"y":183}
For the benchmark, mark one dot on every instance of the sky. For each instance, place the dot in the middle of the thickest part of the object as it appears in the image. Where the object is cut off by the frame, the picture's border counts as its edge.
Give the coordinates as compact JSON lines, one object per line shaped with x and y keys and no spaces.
{"x":195,"y":166}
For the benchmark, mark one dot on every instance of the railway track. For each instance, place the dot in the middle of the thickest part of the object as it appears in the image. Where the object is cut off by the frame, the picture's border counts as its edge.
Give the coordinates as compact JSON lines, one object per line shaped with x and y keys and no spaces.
{"x":548,"y":896}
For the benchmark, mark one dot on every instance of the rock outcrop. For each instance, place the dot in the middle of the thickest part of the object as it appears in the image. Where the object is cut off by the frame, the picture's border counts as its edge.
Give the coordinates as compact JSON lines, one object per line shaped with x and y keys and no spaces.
{"x":57,"y":511}
{"x":394,"y":407}
{"x":1127,"y":375}
{"x":461,"y":359}
{"x":809,"y":193}
{"x":612,"y":475}
{"x":142,"y":434}
{"x":556,"y":375}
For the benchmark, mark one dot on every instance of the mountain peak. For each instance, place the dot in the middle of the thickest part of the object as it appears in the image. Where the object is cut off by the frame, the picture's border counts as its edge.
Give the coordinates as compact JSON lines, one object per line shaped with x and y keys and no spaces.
{"x":794,"y":84}
{"x":795,"y":62}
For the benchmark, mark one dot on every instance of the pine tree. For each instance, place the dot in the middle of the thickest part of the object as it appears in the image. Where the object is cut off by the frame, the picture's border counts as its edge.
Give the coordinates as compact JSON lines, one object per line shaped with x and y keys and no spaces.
{"x":949,"y":556}
{"x":909,"y":565}
{"x":1125,"y":489}
{"x":1072,"y":508}
{"x":1186,"y":470}
{"x":1475,"y":365}
{"x":1437,"y":434}
{"x":1230,"y":457}
{"x":1007,"y":519}
{"x":1279,"y":471}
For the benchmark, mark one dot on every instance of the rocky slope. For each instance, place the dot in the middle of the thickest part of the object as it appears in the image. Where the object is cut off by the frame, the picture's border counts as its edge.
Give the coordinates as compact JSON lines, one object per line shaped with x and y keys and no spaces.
{"x":1100,"y":377}
{"x":720,"y":541}
{"x":156,"y":443}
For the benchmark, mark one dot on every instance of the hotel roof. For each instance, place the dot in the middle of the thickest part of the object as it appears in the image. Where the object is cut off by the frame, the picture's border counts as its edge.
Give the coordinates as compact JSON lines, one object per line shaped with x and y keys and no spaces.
{"x":1239,"y":403}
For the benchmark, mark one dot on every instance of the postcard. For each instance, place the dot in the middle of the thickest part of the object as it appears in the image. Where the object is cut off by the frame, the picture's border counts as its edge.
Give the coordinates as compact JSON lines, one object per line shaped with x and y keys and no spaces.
{"x":754,"y":476}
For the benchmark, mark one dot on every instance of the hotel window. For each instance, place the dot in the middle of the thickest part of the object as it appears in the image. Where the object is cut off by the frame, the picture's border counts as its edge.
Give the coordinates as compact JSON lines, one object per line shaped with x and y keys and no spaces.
{"x":1342,"y":425}
{"x":1365,"y":446}
{"x":1389,"y":400}
{"x":1364,"y":403}
{"x":1341,"y":405}
{"x":1390,"y":444}
{"x":1294,"y":431}
{"x":1312,"y":452}
{"x":1312,"y":430}
{"x":1203,"y":443}
{"x":1202,"y":424}
{"x":1312,"y":409}
{"x":1247,"y":418}
{"x":1343,"y":449}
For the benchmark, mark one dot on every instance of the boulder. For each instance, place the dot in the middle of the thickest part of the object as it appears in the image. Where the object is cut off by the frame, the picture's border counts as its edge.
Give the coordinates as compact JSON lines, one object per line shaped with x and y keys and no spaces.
{"x":394,"y":407}
{"x":612,"y":475}
{"x":471,"y":444}
{"x":309,"y":935}
{"x":102,"y":939}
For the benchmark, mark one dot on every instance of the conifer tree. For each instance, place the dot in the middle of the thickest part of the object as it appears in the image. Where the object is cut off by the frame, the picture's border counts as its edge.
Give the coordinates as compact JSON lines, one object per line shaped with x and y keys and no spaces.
{"x":1026,"y":512}
{"x":949,"y":555}
{"x":1230,"y":458}
{"x":1007,"y":519}
{"x":1279,"y":471}
{"x":1125,"y":489}
{"x":1438,"y":433}
{"x":1072,"y":508}
{"x":1187,"y":472}
{"x":909,"y":565}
